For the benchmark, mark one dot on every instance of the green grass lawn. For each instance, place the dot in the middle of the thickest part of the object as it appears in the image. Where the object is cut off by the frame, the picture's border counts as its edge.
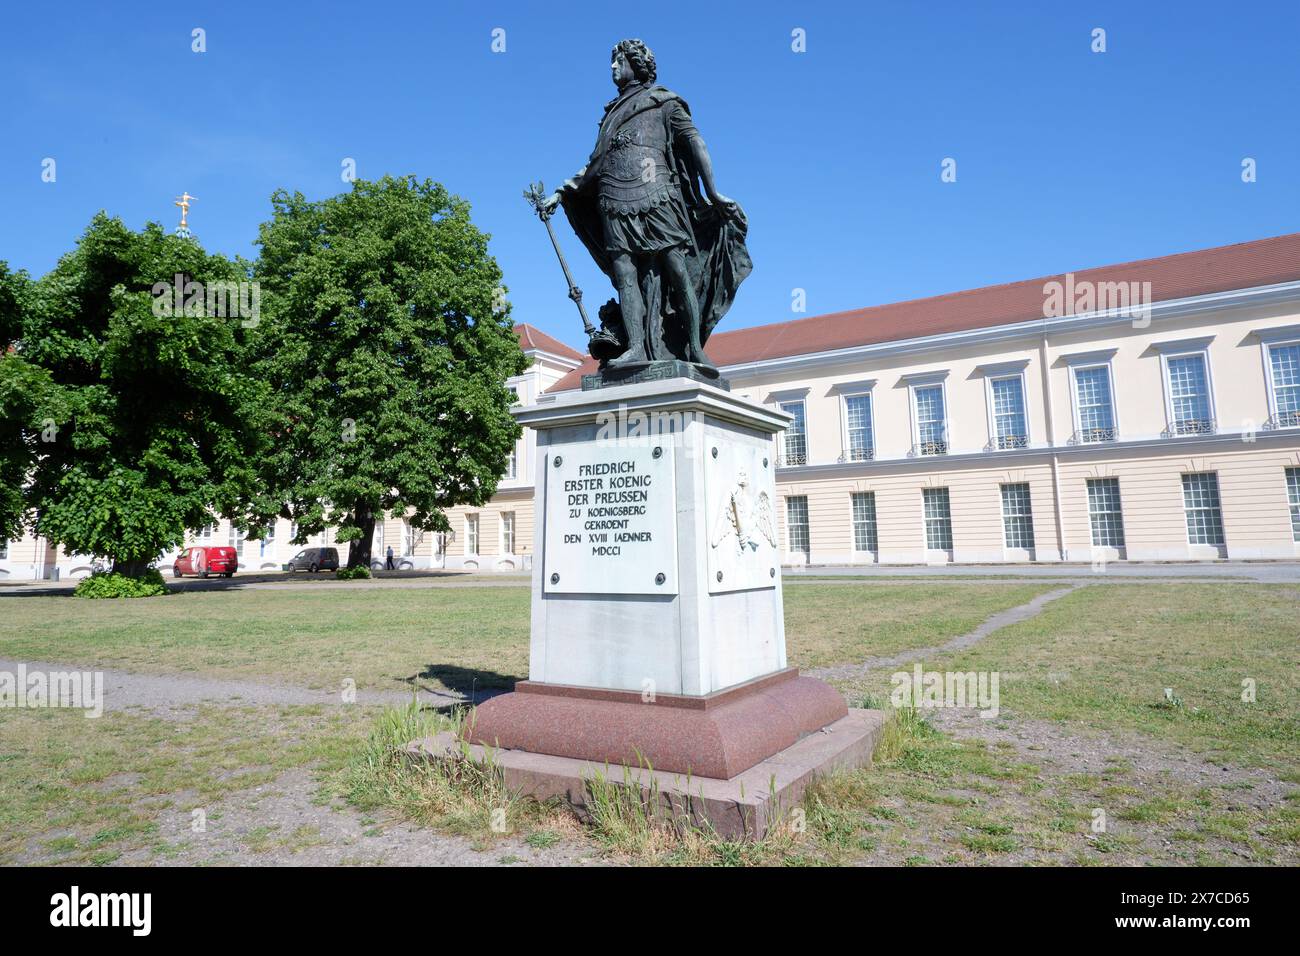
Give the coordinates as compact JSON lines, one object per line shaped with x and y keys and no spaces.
{"x":312,"y":638}
{"x":440,"y":637}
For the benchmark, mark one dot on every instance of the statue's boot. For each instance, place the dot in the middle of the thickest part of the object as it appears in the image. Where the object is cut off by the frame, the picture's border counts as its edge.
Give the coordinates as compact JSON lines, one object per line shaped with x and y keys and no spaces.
{"x":635,"y":351}
{"x":695,"y":351}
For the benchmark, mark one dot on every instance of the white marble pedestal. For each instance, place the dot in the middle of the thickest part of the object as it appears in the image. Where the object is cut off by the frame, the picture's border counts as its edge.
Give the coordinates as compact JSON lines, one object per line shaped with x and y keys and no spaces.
{"x":657,"y":626}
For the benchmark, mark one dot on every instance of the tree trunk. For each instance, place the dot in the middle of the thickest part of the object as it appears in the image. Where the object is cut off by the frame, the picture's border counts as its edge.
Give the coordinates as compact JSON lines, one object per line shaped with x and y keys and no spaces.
{"x":132,"y":569}
{"x":359,"y":553}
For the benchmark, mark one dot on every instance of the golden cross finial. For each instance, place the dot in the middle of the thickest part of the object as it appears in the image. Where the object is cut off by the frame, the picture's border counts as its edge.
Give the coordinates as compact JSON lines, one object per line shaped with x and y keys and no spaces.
{"x":184,"y":200}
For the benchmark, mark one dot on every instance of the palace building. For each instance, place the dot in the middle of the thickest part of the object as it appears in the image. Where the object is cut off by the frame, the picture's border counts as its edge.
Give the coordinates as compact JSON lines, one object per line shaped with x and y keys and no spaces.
{"x":1147,"y":411}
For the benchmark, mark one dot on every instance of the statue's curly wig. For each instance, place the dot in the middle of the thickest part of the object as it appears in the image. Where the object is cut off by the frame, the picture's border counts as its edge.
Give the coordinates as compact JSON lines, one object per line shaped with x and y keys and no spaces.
{"x":640,"y":58}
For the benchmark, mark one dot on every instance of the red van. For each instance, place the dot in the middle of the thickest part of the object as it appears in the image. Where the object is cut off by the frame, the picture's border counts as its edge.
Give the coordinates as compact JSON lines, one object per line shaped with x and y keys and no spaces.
{"x":206,"y":560}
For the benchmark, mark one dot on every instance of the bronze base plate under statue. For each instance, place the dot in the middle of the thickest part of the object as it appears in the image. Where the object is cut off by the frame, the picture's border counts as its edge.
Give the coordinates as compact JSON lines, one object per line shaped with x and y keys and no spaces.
{"x":658,"y":371}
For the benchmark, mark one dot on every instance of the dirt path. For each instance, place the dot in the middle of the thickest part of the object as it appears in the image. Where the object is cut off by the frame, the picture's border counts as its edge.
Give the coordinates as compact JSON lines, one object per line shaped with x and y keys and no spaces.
{"x":284,"y":823}
{"x":165,"y":693}
{"x":998,"y":621}
{"x":1054,"y":745}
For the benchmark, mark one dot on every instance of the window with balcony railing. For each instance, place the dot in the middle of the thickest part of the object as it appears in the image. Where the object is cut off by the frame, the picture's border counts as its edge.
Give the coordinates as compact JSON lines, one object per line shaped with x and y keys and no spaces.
{"x":794,"y":447}
{"x":1189,"y":396}
{"x":931,"y":421}
{"x":1094,"y":405}
{"x":1284,"y":365}
{"x":1284,"y":420}
{"x":1009,"y":422}
{"x":857,"y":419}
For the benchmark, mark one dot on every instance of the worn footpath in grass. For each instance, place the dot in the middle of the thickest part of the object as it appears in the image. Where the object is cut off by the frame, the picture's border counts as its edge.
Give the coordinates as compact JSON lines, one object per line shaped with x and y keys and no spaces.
{"x":844,"y":624}
{"x":88,"y":791}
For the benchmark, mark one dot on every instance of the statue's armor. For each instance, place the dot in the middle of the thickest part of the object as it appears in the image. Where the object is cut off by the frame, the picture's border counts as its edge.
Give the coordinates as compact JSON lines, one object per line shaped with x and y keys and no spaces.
{"x":635,"y":174}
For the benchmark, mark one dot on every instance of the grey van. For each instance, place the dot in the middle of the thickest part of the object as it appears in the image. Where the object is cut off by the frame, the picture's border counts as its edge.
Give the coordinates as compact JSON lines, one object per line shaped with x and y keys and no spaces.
{"x":314,"y":559}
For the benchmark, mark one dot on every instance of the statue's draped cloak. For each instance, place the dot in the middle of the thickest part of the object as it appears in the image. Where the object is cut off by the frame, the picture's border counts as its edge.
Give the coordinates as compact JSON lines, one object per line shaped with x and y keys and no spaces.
{"x":718,"y":260}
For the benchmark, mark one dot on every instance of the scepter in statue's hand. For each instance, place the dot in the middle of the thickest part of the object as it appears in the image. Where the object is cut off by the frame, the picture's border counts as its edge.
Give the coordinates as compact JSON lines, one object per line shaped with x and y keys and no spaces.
{"x":544,"y":206}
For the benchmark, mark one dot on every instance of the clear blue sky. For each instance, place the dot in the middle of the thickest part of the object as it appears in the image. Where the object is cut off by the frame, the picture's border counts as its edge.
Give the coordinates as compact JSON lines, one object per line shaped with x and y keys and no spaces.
{"x":1065,"y":158}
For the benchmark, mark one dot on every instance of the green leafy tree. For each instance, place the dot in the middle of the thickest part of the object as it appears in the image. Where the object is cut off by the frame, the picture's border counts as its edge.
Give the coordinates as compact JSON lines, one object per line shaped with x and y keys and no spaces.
{"x":157,"y":419}
{"x":24,"y":403}
{"x":386,"y":345}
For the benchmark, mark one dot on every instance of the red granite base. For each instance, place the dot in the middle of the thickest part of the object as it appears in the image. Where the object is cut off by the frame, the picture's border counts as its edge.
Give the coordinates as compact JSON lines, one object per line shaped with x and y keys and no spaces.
{"x":718,"y":736}
{"x":746,"y":807}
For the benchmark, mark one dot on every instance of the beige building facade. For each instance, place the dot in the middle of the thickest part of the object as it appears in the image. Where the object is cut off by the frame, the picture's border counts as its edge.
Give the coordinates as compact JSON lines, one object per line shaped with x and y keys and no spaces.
{"x":1159,"y":421}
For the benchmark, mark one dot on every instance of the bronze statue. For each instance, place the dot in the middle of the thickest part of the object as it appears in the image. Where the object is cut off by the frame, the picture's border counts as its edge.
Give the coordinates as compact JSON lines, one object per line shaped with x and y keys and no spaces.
{"x":675,"y":252}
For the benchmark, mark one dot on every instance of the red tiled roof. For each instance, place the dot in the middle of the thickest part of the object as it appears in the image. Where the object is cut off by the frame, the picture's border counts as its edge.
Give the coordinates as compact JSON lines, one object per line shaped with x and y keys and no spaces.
{"x":1240,"y":266}
{"x":534,"y":338}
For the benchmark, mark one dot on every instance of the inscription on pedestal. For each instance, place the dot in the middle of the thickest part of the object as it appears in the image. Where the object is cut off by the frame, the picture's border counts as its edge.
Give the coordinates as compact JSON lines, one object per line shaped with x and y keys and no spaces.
{"x":611,"y":520}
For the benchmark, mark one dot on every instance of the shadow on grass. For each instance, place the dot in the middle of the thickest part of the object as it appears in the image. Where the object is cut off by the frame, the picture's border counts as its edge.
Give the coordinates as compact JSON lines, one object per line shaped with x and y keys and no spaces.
{"x":475,"y":684}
